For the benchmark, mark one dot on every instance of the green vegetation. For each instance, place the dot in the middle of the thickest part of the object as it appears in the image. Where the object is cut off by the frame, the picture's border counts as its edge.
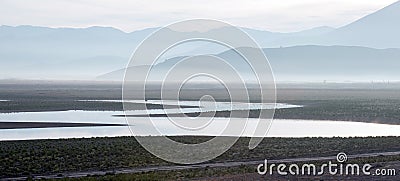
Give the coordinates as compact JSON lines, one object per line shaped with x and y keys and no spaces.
{"x":24,"y":158}
{"x":243,"y":172}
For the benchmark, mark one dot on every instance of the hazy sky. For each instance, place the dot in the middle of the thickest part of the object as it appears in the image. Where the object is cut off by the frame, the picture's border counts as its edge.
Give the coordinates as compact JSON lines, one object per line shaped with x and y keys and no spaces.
{"x":129,"y":15}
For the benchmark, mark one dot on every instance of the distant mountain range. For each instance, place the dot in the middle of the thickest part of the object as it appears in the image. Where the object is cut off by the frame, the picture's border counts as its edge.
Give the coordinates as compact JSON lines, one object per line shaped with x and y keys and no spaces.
{"x":300,"y":63}
{"x":29,"y":52}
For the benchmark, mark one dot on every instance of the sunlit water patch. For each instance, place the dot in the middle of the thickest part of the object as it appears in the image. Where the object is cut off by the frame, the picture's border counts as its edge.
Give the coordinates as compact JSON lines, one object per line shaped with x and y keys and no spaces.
{"x":279,"y":128}
{"x":200,"y":106}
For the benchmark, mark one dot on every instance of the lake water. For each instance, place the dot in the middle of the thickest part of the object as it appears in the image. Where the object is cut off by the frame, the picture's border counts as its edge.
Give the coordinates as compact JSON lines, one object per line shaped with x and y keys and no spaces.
{"x":279,"y":128}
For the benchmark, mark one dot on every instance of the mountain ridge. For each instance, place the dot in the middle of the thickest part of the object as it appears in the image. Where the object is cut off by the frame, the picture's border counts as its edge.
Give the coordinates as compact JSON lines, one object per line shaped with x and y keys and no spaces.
{"x":41,"y":52}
